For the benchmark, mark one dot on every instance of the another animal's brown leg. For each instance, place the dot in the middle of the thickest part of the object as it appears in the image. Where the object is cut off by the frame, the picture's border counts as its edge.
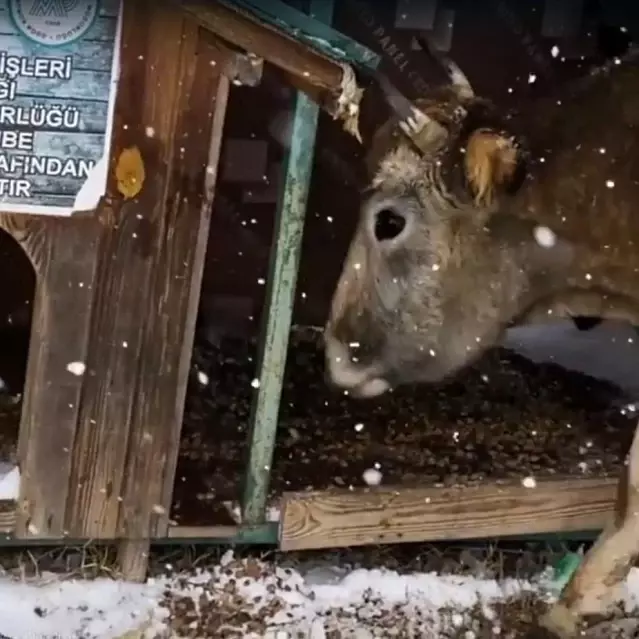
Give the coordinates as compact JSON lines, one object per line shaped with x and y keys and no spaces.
{"x":595,"y":585}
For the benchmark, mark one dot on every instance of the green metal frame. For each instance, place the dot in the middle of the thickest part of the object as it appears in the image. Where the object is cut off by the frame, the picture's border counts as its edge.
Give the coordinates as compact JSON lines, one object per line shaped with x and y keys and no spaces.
{"x":313,"y":29}
{"x":280,"y":298}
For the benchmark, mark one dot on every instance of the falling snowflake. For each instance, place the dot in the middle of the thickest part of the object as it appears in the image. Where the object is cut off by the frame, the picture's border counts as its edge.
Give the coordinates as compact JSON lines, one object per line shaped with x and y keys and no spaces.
{"x":372,"y":477}
{"x":76,"y":368}
{"x":544,"y":236}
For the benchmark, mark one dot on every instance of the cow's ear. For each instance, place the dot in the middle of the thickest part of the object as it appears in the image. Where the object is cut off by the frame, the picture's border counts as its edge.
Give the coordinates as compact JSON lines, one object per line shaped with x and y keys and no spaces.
{"x":492,"y":162}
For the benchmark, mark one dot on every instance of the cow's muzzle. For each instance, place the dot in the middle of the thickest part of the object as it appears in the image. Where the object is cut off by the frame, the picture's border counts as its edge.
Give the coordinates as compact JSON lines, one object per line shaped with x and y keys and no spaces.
{"x":341,"y":371}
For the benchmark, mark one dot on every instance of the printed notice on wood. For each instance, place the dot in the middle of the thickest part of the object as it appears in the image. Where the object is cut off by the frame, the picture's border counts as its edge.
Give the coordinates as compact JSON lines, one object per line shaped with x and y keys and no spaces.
{"x":58,"y":77}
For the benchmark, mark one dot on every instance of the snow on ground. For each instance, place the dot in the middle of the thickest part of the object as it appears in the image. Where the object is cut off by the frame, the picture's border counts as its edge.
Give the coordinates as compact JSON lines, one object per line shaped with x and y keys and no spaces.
{"x":9,"y":481}
{"x":260,"y":600}
{"x":102,"y":608}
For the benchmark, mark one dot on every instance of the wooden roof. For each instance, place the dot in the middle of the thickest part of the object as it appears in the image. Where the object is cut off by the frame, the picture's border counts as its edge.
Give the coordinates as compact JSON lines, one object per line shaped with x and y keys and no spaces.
{"x":317,"y":59}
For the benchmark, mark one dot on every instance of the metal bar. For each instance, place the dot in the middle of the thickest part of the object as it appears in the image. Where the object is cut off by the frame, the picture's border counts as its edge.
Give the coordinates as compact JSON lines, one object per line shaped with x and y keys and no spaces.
{"x":263,"y":535}
{"x":285,"y":256}
{"x":267,"y":535}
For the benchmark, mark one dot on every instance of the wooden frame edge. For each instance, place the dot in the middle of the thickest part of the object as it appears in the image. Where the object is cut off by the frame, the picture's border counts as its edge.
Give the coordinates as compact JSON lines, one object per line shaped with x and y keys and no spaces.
{"x":398,"y":514}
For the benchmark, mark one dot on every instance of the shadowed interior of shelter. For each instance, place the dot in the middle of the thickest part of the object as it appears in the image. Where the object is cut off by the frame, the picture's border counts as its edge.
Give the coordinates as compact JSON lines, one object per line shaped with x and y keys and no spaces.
{"x":16,"y":306}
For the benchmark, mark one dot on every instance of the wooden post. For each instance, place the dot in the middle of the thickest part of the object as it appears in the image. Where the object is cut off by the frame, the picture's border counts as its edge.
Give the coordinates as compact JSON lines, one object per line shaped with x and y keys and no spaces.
{"x":174,"y":299}
{"x":64,"y":255}
{"x":150,"y":264}
{"x":596,"y":585}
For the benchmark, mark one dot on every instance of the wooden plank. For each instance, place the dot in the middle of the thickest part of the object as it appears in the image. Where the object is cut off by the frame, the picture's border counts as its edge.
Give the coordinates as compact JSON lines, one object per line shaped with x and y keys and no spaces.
{"x":179,"y":251}
{"x":243,"y":30}
{"x":146,"y":110}
{"x":9,"y":517}
{"x":398,"y":515}
{"x":302,"y":58}
{"x":63,"y":253}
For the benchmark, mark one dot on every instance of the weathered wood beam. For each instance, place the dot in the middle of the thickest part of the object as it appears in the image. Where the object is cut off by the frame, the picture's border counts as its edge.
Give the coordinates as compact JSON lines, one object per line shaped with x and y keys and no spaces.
{"x":196,"y":101}
{"x":65,"y":254}
{"x":244,"y":31}
{"x":329,"y":83}
{"x":597,"y":584}
{"x":328,"y":519}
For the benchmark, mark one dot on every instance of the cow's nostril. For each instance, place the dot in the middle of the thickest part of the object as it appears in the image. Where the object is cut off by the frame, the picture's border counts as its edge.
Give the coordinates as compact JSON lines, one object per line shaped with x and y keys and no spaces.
{"x":389,"y":223}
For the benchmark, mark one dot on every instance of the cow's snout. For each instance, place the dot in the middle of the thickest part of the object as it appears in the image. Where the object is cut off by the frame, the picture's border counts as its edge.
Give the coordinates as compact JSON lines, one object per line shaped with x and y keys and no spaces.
{"x":342,"y":372}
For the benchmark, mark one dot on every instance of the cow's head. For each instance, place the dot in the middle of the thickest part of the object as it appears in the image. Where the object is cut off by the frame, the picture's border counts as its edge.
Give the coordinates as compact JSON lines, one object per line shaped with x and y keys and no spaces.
{"x":435,"y":270}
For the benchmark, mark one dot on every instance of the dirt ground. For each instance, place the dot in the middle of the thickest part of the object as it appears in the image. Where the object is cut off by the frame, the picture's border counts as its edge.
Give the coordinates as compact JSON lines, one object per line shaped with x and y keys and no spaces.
{"x":505,"y":417}
{"x":513,"y":617}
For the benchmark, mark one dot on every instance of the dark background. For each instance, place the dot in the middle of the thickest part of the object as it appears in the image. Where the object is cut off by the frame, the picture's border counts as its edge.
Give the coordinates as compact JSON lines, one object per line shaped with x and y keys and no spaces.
{"x":512,"y":50}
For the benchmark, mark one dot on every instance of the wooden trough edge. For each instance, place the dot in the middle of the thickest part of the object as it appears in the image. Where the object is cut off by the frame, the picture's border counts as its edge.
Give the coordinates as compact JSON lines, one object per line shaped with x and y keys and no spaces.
{"x":340,"y":518}
{"x":398,"y":514}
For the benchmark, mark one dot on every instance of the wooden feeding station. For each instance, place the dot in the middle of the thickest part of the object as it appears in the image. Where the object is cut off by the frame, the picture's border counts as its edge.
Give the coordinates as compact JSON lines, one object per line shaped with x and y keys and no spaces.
{"x":117,"y":177}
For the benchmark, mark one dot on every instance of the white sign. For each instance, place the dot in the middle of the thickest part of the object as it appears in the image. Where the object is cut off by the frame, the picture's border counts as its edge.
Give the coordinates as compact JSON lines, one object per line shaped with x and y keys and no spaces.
{"x":59,"y":63}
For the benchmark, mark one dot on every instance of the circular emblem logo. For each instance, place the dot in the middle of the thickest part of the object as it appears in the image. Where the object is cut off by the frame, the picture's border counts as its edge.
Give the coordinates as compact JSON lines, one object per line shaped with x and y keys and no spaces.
{"x":54,"y":22}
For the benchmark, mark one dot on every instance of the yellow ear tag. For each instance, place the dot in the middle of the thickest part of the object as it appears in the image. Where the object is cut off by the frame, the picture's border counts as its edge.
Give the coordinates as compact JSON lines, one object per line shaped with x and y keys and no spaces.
{"x":129,"y":172}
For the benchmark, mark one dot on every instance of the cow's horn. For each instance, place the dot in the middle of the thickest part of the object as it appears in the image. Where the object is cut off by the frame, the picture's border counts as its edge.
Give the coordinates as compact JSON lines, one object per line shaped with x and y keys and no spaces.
{"x":422,"y":130}
{"x":457,"y":77}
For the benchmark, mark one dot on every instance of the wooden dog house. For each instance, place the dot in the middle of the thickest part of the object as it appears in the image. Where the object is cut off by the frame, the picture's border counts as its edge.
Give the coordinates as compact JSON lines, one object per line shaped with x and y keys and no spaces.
{"x":118,"y":281}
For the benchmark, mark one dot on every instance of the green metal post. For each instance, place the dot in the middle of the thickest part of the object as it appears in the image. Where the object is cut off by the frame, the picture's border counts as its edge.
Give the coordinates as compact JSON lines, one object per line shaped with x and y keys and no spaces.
{"x":285,"y":256}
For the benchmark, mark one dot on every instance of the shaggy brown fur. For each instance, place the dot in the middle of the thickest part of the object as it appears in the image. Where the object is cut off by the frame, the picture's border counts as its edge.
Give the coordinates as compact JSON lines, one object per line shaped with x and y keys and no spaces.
{"x":491,"y":230}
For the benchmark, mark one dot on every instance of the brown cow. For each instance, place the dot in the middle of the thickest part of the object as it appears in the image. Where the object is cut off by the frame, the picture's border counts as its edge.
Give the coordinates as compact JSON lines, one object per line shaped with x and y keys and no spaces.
{"x":469,"y":228}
